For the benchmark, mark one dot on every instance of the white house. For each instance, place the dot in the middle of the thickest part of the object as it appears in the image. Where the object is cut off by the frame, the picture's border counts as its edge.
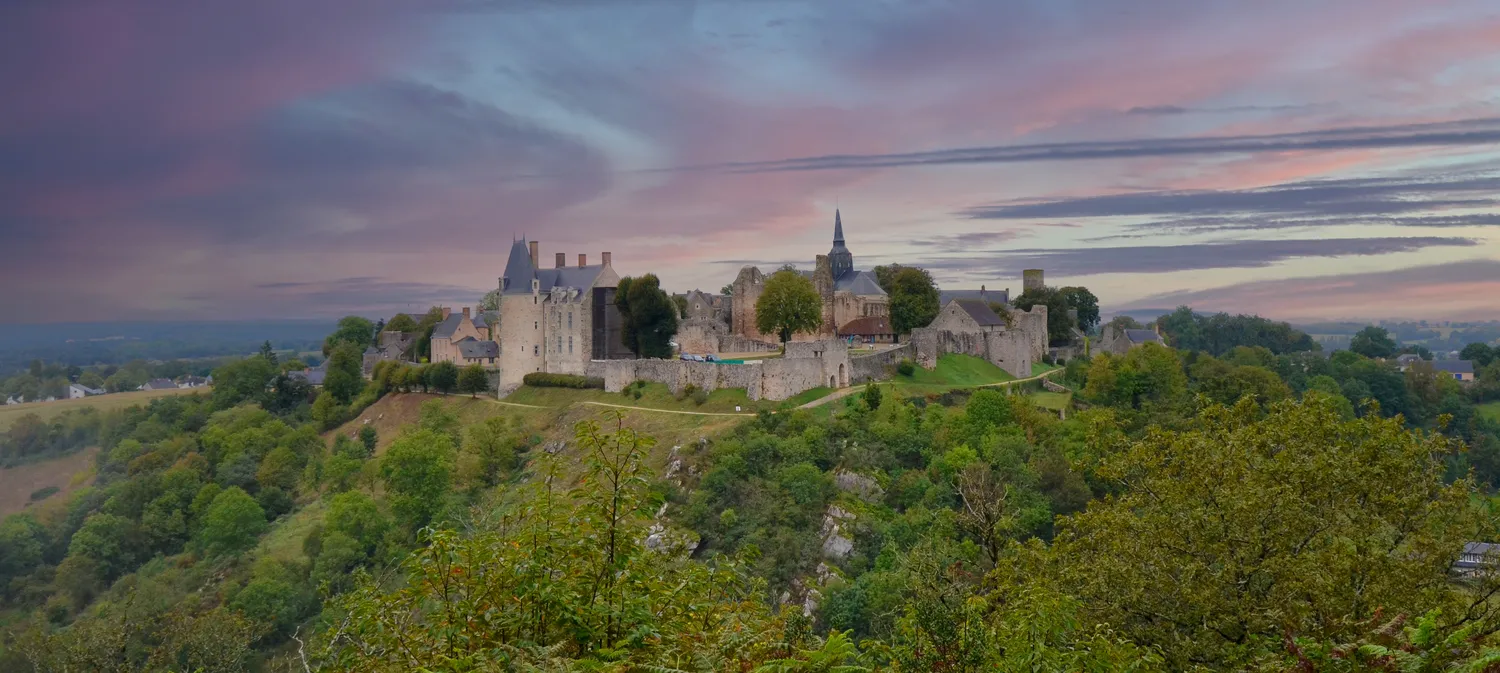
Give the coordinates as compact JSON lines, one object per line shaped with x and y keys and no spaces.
{"x":78,"y":391}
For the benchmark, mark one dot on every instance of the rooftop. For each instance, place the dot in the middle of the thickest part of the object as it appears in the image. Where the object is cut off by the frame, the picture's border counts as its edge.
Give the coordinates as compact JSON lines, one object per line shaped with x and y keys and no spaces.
{"x":980,"y":312}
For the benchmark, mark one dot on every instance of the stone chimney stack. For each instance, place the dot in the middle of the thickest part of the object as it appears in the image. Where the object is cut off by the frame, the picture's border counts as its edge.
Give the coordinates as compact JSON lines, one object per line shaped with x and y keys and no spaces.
{"x":447,"y":312}
{"x":466,"y":313}
{"x":605,"y":257}
{"x":535,"y":255}
{"x":562,"y":260}
{"x":583,"y":259}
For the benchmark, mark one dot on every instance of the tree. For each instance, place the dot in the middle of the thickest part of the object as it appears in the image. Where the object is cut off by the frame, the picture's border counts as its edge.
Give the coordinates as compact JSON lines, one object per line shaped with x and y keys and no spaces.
{"x":1201,"y":556}
{"x":418,"y":473}
{"x":401,"y":323}
{"x":442,"y":376}
{"x":473,"y":380}
{"x":232,"y":523}
{"x":345,"y":378}
{"x":489,"y":307}
{"x":369,"y":439}
{"x":268,"y":353}
{"x":914,"y":298}
{"x":242,"y":381}
{"x":1373,"y":342}
{"x":1059,"y":324}
{"x":649,"y":316}
{"x":1479,"y":353}
{"x":789,"y":304}
{"x":1084,"y":303}
{"x":327,"y":411}
{"x":1123,"y":322}
{"x":727,"y":290}
{"x":351,"y":330}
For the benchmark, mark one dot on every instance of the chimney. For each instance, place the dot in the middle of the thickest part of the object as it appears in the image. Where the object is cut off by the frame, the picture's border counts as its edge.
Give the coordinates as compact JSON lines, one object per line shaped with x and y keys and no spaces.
{"x":605,"y":255}
{"x":466,"y":313}
{"x":562,"y":260}
{"x":534,"y":255}
{"x":447,"y":312}
{"x":583,"y":259}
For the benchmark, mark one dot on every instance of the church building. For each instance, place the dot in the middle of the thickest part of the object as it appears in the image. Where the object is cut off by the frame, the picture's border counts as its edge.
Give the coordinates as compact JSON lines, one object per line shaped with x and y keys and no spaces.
{"x":848,"y":294}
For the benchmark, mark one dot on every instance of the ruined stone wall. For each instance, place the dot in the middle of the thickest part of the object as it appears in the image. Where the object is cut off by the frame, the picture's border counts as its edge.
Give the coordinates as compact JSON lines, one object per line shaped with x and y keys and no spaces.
{"x":877,"y":366}
{"x":737,"y":344}
{"x":594,"y":369}
{"x":776,"y":379}
{"x":782,"y":378}
{"x":1034,"y":324}
{"x":747,"y":289}
{"x":822,"y":280}
{"x":700,"y":336}
{"x":952,"y":317}
{"x":747,"y":376}
{"x":1009,"y":350}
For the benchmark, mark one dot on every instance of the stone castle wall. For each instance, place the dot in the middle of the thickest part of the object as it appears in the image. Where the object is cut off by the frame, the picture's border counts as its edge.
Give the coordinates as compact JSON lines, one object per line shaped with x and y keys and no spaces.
{"x":1034,"y":324}
{"x":747,"y":289}
{"x":1009,"y":350}
{"x":806,"y":366}
{"x":700,"y":336}
{"x":877,"y":366}
{"x":732,"y":343}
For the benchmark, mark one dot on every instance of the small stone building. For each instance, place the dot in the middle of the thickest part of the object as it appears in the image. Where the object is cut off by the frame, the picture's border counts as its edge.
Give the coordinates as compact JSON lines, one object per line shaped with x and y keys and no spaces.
{"x":869,"y":330}
{"x":1120,"y":341}
{"x":969,"y":326}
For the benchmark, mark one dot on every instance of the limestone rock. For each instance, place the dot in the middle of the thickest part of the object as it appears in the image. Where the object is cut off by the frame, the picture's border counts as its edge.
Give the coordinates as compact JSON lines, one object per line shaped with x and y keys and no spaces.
{"x":863,"y":487}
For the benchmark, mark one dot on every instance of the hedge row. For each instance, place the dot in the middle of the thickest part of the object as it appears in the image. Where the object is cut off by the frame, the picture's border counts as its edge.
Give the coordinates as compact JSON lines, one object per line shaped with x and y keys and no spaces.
{"x":545,"y":380}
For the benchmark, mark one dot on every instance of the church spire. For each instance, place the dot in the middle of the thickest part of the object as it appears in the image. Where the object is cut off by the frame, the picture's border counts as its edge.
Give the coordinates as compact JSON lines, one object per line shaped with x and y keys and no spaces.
{"x":839,"y":258}
{"x":838,"y":228}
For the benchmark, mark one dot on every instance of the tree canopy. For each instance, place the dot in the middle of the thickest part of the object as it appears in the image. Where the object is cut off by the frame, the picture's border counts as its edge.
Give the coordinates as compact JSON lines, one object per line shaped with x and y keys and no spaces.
{"x":648,"y":314}
{"x":351,"y":330}
{"x":787,"y":305}
{"x":913,"y":295}
{"x":1373,"y":342}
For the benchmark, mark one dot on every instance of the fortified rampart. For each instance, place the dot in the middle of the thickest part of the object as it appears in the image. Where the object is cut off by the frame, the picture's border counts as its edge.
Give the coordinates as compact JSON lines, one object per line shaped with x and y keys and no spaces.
{"x":805,"y":365}
{"x":877,"y":366}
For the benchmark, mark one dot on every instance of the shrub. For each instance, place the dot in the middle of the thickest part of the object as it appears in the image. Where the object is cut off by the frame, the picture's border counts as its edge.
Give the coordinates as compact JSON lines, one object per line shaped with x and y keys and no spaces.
{"x":906,"y":367}
{"x":699,"y":397}
{"x":43,"y":493}
{"x":545,"y":380}
{"x":688,"y":391}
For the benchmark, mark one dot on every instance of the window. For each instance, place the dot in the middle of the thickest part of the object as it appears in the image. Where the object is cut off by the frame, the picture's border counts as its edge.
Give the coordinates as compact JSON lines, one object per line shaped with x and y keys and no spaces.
{"x":535,"y":325}
{"x":535,"y":349}
{"x":570,"y":344}
{"x":570,"y":320}
{"x":559,"y":344}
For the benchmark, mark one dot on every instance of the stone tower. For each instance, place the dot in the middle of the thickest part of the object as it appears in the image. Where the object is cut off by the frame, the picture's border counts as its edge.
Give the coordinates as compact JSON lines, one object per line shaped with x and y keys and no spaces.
{"x":822,"y":278}
{"x":1031,"y":280}
{"x":840,"y":260}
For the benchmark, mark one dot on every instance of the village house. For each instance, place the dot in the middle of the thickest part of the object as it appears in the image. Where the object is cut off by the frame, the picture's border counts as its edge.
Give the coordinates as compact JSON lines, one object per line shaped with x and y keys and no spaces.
{"x":389,"y":347}
{"x":159,"y":384}
{"x":869,"y":330}
{"x":1120,"y":341}
{"x":1461,"y":370}
{"x":463,"y":339}
{"x":78,"y":391}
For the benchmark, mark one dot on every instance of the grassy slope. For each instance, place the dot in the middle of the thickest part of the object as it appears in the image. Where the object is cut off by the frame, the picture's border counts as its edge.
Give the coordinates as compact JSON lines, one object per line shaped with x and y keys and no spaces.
{"x":952,"y":371}
{"x":1051,"y":400}
{"x":65,"y":472}
{"x":1490,"y":410}
{"x":653,"y":396}
{"x":47,"y":410}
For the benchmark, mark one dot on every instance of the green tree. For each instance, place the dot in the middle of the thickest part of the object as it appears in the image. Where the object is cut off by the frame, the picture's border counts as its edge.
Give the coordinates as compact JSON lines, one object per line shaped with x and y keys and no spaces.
{"x":327,"y":411}
{"x":107,"y":540}
{"x":345,"y":377}
{"x":787,"y":305}
{"x":1059,"y":324}
{"x":369,"y":438}
{"x":1085,"y":303}
{"x":232,"y":523}
{"x":1479,"y":353}
{"x":241,"y":381}
{"x":418,"y":473}
{"x":473,"y":380}
{"x":1373,"y":342}
{"x":1201,"y":556}
{"x":489,"y":451}
{"x":649,"y":316}
{"x":268,"y":353}
{"x":442,"y":376}
{"x":401,"y":323}
{"x":914,"y":299}
{"x":354,"y":330}
{"x":354,"y":514}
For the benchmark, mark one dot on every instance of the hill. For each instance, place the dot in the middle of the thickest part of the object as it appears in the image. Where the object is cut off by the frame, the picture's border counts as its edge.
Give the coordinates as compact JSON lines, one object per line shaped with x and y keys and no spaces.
{"x":49,"y":410}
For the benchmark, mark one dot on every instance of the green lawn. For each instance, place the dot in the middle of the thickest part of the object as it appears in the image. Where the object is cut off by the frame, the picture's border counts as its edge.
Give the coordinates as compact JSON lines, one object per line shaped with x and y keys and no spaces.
{"x":1490,"y":410}
{"x":807,"y":396}
{"x":953,"y":371}
{"x":1051,"y":400}
{"x":49,"y":410}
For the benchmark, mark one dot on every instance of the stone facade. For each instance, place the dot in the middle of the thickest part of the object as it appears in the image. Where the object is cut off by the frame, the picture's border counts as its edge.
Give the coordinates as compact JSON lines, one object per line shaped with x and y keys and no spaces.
{"x":962,"y":327}
{"x":700,"y":336}
{"x":453,"y":329}
{"x":806,"y":365}
{"x":547,"y":315}
{"x":846,"y":293}
{"x":877,"y":366}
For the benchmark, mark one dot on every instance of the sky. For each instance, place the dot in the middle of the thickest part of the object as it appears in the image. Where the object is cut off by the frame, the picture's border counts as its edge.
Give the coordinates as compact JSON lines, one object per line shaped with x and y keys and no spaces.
{"x":181,"y":159}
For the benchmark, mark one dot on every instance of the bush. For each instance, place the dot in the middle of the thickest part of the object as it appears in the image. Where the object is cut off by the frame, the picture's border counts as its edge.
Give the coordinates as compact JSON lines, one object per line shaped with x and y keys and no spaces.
{"x":688,"y":391}
{"x":545,"y":380}
{"x":906,"y":367}
{"x":699,"y":397}
{"x":43,"y":493}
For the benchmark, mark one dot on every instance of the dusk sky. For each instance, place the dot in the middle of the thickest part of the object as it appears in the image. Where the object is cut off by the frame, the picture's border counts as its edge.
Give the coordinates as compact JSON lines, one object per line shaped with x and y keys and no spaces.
{"x":183,"y":159}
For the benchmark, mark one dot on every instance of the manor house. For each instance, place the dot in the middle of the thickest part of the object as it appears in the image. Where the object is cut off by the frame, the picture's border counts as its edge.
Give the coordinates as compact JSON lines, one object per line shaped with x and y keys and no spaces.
{"x":555,"y":320}
{"x":848,"y":294}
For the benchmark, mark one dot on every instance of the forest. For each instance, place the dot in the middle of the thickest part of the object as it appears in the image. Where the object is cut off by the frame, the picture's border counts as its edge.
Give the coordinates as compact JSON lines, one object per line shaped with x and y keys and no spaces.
{"x":1241,"y":502}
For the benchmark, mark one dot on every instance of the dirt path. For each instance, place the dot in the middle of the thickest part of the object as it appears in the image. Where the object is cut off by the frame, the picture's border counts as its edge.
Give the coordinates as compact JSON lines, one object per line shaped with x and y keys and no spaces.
{"x":667,"y":411}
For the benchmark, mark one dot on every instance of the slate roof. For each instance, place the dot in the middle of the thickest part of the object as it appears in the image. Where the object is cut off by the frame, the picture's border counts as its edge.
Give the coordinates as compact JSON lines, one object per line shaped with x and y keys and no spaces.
{"x":867,"y":326}
{"x":472,"y":349}
{"x":1141,"y":336}
{"x":160,"y":384}
{"x":519,"y":273}
{"x":858,"y":282}
{"x":1454,"y":366}
{"x":1476,"y":555}
{"x":448,"y":326}
{"x":996,"y":296}
{"x":980,"y":312}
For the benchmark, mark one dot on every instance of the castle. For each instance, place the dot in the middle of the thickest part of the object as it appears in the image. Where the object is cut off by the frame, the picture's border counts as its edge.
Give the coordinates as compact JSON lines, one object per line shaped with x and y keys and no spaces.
{"x":848,"y":294}
{"x":555,"y":320}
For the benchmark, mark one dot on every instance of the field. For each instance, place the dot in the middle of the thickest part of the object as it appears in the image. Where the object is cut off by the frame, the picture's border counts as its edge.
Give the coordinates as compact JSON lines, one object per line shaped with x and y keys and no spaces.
{"x":19,"y":482}
{"x":47,"y":410}
{"x":1490,"y":410}
{"x":1051,"y":400}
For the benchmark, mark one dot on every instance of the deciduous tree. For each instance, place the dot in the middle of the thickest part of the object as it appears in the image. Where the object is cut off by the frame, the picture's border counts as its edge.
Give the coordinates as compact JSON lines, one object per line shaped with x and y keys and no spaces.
{"x":650,"y":316}
{"x":787,"y":305}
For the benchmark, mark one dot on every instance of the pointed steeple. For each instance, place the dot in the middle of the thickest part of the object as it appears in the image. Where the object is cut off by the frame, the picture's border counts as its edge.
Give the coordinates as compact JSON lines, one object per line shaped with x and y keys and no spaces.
{"x":839,"y":258}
